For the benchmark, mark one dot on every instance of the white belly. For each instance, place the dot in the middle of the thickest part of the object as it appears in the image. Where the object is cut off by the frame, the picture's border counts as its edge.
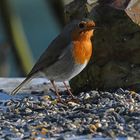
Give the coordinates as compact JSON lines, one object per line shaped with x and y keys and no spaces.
{"x":65,"y":72}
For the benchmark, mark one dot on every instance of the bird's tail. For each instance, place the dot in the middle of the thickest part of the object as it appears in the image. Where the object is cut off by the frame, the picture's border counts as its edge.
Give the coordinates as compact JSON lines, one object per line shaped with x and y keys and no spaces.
{"x":27,"y":80}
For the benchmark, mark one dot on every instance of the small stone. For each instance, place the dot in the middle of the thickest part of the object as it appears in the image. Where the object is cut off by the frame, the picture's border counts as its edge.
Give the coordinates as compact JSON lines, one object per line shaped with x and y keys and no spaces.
{"x":120,"y":91}
{"x":28,"y":110}
{"x":40,"y":114}
{"x":131,"y":108}
{"x":46,"y":97}
{"x":92,"y":128}
{"x":73,"y":104}
{"x":88,"y":106}
{"x":98,"y":125}
{"x":133,"y":93}
{"x":15,"y":130}
{"x":121,"y":128}
{"x":20,"y":134}
{"x":44,"y":131}
{"x":54,"y":102}
{"x":132,"y":100}
{"x":110,"y":110}
{"x":34,"y":133}
{"x":87,"y":96}
{"x":73,"y":126}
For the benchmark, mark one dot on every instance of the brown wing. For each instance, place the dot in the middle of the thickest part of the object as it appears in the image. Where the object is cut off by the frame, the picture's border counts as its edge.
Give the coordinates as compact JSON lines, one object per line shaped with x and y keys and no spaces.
{"x":51,"y":54}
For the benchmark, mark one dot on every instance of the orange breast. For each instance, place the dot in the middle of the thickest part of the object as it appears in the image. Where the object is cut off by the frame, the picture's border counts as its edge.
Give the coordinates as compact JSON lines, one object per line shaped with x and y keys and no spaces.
{"x":82,"y":51}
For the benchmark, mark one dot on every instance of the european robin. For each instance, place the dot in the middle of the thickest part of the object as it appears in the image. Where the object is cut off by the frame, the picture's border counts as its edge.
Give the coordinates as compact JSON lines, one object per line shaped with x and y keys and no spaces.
{"x":67,"y":55}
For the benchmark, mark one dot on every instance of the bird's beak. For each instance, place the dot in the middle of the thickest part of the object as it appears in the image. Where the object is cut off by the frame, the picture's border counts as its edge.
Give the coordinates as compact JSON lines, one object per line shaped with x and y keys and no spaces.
{"x":91,"y":28}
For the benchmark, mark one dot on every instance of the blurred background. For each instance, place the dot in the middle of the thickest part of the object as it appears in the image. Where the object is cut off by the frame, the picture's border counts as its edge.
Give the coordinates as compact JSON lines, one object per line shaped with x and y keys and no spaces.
{"x":28,"y":26}
{"x":26,"y":29}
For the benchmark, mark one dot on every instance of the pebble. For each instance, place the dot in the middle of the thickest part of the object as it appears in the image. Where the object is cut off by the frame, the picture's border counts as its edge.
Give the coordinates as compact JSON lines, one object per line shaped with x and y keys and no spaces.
{"x":87,"y":96}
{"x":73,"y":104}
{"x":102,"y":114}
{"x":92,"y":128}
{"x":44,"y":131}
{"x":28,"y":110}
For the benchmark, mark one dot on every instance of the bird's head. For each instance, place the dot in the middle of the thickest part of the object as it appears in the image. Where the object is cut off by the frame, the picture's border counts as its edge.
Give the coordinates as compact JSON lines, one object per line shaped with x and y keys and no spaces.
{"x":82,"y":29}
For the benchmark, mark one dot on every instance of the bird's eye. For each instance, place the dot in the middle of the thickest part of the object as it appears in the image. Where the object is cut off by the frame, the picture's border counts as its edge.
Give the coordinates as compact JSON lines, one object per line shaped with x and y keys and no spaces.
{"x":81,"y":25}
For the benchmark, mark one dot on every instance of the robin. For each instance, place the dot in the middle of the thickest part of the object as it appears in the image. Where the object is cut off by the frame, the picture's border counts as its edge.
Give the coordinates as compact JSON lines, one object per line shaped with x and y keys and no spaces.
{"x":67,"y":55}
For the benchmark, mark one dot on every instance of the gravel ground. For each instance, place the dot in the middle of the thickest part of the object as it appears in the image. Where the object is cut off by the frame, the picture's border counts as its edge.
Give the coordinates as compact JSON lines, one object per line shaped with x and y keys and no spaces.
{"x":96,"y":115}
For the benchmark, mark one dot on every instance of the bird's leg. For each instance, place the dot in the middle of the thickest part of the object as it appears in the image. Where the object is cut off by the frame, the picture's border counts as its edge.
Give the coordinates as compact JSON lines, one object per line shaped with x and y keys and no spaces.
{"x":56,"y":90}
{"x":70,"y":93}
